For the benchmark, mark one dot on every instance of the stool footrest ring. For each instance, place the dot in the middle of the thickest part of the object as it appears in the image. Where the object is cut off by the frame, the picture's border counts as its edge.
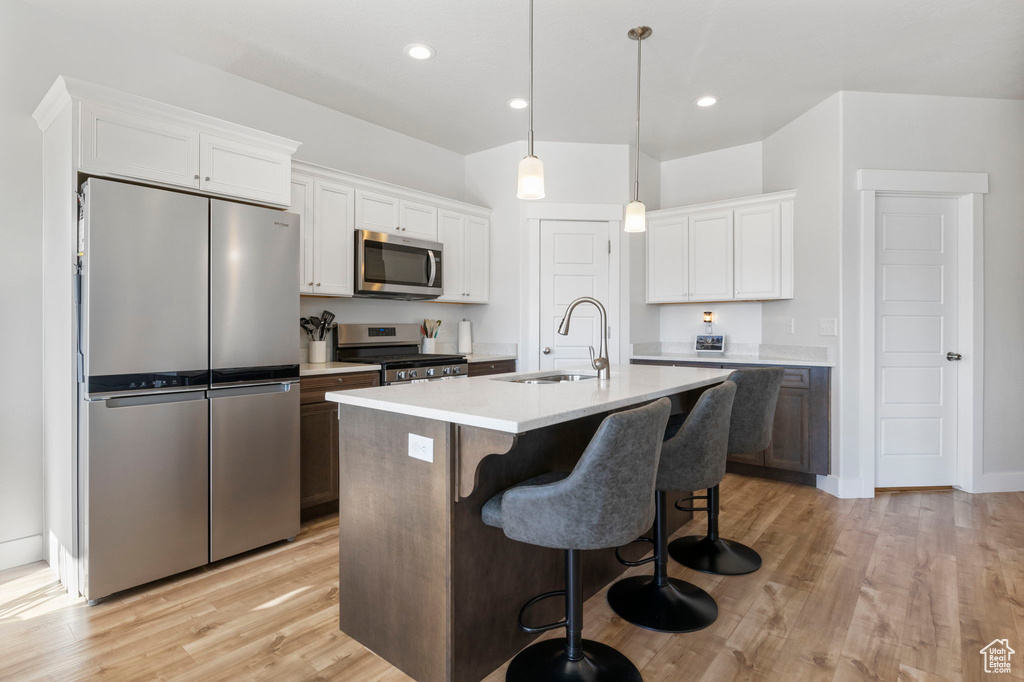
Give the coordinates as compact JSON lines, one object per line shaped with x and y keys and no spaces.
{"x":681,"y":507}
{"x":626,"y":562}
{"x":540,"y":628}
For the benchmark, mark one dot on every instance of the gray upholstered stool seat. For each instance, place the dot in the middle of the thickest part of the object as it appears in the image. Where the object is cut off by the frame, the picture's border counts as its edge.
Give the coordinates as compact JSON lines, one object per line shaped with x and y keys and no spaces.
{"x":607,"y":500}
{"x":750,"y":430}
{"x":694,"y":454}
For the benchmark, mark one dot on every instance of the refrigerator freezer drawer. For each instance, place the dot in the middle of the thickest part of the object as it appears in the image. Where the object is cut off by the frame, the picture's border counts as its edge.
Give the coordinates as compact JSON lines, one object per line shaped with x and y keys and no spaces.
{"x":254,"y":464}
{"x":144,"y":490}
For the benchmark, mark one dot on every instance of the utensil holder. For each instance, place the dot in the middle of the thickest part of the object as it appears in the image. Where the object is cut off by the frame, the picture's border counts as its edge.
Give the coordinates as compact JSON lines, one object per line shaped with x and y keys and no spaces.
{"x":317,"y":352}
{"x":428,"y":345}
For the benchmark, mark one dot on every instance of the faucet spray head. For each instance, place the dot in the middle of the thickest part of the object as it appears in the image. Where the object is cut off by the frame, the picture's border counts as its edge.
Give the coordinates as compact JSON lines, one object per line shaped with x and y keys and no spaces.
{"x":563,"y":327}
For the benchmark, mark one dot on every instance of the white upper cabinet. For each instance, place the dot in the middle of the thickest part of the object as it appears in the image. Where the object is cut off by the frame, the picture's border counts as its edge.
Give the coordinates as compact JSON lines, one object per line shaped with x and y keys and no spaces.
{"x":741,"y":249}
{"x":302,"y":205}
{"x":123,"y":144}
{"x":668,"y":245}
{"x":467,"y":254}
{"x":417,"y":220}
{"x":242,"y":170}
{"x":125,"y":136}
{"x":332,"y":238}
{"x":376,"y":212}
{"x":452,"y":234}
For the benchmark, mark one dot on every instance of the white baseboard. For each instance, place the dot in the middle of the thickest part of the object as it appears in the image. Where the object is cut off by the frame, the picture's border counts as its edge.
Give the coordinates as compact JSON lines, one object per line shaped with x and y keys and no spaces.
{"x":843,"y":487}
{"x":21,"y":551}
{"x":1003,"y":482}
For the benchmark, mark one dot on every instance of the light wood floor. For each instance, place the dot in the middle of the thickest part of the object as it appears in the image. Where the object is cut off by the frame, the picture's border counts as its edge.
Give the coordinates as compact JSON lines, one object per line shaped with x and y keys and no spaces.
{"x":907,"y":586}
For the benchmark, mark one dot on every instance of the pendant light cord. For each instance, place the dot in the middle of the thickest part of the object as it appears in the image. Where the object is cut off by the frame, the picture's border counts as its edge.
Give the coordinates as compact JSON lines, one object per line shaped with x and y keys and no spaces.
{"x":530,"y":136}
{"x":636,"y":162}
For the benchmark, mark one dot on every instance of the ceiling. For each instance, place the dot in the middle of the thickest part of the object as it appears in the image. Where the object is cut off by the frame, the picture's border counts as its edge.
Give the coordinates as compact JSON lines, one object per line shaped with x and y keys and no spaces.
{"x":767,"y":60}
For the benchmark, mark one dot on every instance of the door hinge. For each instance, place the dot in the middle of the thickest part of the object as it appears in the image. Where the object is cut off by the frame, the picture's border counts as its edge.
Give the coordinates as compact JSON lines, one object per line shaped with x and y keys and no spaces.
{"x":609,"y":246}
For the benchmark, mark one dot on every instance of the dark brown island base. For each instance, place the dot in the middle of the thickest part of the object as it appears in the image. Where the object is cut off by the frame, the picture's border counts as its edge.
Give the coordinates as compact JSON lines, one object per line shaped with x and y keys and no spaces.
{"x":422,"y":581}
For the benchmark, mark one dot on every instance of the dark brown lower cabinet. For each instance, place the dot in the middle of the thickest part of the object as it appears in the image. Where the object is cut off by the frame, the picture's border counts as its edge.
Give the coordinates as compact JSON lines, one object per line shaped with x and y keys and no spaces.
{"x":800,"y":447}
{"x":319,"y":439}
{"x":480,"y":369}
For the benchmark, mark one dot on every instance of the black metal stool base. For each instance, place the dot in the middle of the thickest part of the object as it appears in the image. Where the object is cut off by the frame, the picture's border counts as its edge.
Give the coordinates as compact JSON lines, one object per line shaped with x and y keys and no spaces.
{"x":675,"y":607}
{"x":720,"y":556}
{"x":546,"y":662}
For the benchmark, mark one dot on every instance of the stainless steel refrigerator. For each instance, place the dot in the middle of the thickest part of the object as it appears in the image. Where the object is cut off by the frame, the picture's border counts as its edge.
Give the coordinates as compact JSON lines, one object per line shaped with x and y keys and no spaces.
{"x":188,"y":395}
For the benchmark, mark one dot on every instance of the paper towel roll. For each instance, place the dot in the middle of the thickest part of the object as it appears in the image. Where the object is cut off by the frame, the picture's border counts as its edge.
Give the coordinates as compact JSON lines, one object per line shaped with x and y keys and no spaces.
{"x":465,"y":337}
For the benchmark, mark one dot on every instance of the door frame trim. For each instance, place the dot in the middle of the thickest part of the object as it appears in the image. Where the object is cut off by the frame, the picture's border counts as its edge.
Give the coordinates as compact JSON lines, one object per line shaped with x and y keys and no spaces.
{"x":969,"y":190}
{"x":529,"y":287}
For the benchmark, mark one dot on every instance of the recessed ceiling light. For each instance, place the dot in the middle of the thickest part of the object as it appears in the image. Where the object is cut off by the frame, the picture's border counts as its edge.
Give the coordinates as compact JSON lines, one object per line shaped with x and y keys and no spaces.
{"x":518,"y":103}
{"x":419,"y":51}
{"x":706,"y":101}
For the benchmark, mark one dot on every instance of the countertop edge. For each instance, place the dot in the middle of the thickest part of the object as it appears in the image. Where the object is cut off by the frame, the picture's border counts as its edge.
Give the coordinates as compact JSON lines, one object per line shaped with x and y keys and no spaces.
{"x":325,"y":369}
{"x":742,"y":360}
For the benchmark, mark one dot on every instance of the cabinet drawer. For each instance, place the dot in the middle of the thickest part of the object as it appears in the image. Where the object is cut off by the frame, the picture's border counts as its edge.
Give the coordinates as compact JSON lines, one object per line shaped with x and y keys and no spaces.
{"x":312,"y":389}
{"x":481,"y":369}
{"x":797,"y":378}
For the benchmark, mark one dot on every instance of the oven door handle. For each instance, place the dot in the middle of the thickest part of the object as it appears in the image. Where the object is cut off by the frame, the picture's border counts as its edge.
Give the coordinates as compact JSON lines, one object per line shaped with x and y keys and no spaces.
{"x":433,"y":268}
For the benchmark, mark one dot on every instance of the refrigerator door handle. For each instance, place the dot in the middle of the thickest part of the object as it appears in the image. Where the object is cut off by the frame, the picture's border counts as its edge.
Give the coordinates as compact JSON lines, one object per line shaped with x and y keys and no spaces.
{"x":250,"y":390}
{"x":155,"y":399}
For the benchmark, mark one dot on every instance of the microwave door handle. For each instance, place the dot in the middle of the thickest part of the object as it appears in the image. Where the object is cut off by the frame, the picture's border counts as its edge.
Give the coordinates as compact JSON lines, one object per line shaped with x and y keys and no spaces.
{"x":433,"y":268}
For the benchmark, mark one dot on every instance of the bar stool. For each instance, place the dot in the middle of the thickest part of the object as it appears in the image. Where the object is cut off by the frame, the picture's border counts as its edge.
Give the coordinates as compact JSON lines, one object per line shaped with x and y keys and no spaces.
{"x":750,"y":430}
{"x":607,"y":500}
{"x":689,"y":459}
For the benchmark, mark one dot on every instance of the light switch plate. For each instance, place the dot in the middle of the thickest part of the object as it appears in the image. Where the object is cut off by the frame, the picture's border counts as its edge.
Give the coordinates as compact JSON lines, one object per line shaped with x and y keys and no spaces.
{"x":421,"y":447}
{"x":827,"y":326}
{"x":790,"y":325}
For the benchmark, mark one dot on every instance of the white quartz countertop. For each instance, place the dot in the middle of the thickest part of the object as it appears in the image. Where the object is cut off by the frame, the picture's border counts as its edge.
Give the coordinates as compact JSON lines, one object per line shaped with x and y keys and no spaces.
{"x":730,"y":359}
{"x":312,"y":369}
{"x":490,"y":403}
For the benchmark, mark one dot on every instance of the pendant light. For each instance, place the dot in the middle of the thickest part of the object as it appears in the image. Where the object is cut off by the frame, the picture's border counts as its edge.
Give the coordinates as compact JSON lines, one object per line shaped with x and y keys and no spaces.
{"x":531,"y":170}
{"x":636,"y":212}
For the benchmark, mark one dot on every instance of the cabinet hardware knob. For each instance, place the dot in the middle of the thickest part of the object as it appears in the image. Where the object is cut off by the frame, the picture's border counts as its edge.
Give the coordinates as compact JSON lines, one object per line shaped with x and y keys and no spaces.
{"x":207,"y":178}
{"x":310,"y":284}
{"x":318,"y":283}
{"x":197,"y":177}
{"x":403,"y":229}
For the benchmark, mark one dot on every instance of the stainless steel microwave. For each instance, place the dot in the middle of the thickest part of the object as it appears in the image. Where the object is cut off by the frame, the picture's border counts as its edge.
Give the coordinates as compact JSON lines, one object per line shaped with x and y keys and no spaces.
{"x":390,"y":266}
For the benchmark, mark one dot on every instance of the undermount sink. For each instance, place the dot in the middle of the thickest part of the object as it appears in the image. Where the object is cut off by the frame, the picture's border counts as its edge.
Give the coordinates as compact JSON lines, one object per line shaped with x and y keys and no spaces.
{"x":551,"y":378}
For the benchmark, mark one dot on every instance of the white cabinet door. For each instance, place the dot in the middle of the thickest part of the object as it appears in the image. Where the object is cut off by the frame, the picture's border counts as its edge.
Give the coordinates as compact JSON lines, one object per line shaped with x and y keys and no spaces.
{"x":418,"y":221}
{"x":452,"y":233}
{"x":757,"y":246}
{"x":302,"y":205}
{"x":241,"y":170}
{"x":667,"y":260}
{"x":376,"y":212}
{"x":477,"y":260}
{"x":333,"y":238}
{"x":710,"y":257}
{"x":127,"y":145}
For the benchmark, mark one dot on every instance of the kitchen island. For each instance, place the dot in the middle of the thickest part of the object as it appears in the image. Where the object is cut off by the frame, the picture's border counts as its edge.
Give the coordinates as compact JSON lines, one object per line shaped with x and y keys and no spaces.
{"x":423,"y":582}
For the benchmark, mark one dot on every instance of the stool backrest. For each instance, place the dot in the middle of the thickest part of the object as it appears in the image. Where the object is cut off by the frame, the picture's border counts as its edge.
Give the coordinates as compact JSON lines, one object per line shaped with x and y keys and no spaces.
{"x":608,"y":499}
{"x":753,"y":410}
{"x":694,"y":458}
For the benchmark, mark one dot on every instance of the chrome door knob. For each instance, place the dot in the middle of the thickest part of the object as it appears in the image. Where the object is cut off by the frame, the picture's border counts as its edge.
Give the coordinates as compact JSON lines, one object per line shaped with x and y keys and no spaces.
{"x":954,"y":357}
{"x":547,"y":350}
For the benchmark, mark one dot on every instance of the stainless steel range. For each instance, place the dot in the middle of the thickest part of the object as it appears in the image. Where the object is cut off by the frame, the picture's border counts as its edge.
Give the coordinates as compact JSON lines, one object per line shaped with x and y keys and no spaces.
{"x":395,"y":347}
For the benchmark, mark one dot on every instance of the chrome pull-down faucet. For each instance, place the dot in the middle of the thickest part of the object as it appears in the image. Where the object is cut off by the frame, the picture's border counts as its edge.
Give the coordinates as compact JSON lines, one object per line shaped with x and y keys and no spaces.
{"x":600,"y":363}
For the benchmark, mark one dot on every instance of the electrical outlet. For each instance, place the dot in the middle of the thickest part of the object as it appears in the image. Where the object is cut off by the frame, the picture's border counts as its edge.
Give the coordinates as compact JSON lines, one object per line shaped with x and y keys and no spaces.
{"x":790,"y":326}
{"x":421,"y":447}
{"x":827,"y":326}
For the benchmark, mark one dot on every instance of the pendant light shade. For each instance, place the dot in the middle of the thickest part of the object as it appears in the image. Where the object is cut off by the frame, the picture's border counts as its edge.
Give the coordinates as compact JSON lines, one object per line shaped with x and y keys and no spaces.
{"x":636,"y":217}
{"x":531,"y":178}
{"x":531,"y":170}
{"x":636,"y":212}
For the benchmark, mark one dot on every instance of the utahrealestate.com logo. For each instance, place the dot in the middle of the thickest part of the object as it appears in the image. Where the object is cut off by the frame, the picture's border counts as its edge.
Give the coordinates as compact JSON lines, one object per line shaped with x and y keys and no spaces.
{"x":997,"y":656}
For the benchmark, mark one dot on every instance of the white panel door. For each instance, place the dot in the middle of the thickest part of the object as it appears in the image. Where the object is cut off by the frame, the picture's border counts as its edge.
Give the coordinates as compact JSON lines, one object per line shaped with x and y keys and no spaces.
{"x":417,"y":220}
{"x":476,"y":269}
{"x":710,"y":257}
{"x":126,"y":145}
{"x":757,"y":246}
{"x":376,"y":212}
{"x":916,"y":309}
{"x":332,"y":225}
{"x":302,"y":205}
{"x":668,"y":260}
{"x":452,"y":233}
{"x":241,"y":170}
{"x":574,"y":263}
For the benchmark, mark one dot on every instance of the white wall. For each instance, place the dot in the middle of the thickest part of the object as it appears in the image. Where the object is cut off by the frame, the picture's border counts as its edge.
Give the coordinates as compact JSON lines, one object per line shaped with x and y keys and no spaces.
{"x":644,"y":319}
{"x":35,"y":47}
{"x":917,"y":132}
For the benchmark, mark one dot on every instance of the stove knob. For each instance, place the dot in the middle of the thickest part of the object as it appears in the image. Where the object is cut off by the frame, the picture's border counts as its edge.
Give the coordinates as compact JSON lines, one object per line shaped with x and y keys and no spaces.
{"x":456,"y":370}
{"x":447,"y":370}
{"x":430,"y":372}
{"x":413,"y":373}
{"x":400,"y":375}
